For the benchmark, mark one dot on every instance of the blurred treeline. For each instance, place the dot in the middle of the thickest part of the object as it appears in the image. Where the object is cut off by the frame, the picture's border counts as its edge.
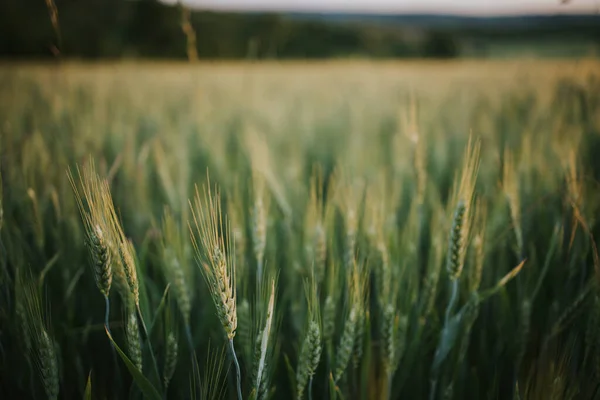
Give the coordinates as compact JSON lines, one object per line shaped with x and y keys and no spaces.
{"x":151,"y":29}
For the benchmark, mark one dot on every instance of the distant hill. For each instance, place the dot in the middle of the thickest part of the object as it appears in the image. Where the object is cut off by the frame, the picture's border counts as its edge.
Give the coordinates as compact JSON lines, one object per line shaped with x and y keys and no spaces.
{"x":152,"y":29}
{"x":454,"y":22}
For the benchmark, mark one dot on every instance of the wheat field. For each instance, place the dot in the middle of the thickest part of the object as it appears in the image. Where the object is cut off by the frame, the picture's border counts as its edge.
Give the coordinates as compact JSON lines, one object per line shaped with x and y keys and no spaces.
{"x":327,"y":230}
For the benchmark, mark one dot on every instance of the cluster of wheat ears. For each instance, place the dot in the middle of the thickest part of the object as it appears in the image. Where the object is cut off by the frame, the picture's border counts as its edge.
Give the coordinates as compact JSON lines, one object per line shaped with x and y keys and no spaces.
{"x":460,"y":269}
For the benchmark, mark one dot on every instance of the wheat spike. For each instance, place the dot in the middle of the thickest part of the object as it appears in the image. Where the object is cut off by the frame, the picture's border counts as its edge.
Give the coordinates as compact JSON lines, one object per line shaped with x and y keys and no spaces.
{"x":388,"y":337}
{"x":463,"y":213}
{"x":320,"y":246}
{"x":212,"y":253}
{"x":172,"y":349}
{"x":42,"y":347}
{"x":346,"y":345}
{"x":329,"y":310}
{"x":132,"y":333}
{"x":48,"y":365}
{"x":173,"y":253}
{"x":97,"y":210}
{"x":310,"y":355}
{"x":181,"y":290}
{"x":317,"y":214}
{"x":455,"y":260}
{"x":128,"y":261}
{"x":359,"y":341}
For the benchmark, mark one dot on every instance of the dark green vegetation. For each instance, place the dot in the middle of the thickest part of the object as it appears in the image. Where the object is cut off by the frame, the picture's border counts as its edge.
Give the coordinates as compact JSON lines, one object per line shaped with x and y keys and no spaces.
{"x":151,"y":29}
{"x":355,"y":240}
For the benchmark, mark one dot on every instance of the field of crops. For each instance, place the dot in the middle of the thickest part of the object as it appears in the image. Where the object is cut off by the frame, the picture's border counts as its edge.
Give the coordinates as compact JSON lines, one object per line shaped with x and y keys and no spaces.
{"x":341,"y":230}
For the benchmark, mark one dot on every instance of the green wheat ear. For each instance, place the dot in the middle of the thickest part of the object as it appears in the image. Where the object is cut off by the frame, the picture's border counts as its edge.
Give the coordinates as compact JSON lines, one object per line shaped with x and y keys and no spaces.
{"x":173,"y":257}
{"x":97,"y":212}
{"x":388,"y":337}
{"x":455,"y":260}
{"x":352,"y":332}
{"x":463,"y":211}
{"x":212,"y":243}
{"x":214,"y":257}
{"x":101,"y":260}
{"x":311,"y":348}
{"x":42,"y":348}
{"x":329,"y":310}
{"x":172,"y":350}
{"x":310,"y":355}
{"x":48,"y":365}
{"x":346,"y":345}
{"x":132,"y":333}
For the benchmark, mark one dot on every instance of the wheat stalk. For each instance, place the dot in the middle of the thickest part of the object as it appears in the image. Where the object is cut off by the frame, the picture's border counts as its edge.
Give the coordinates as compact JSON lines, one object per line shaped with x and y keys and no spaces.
{"x":463,"y":213}
{"x":212,"y":254}
{"x":217,"y":267}
{"x":97,"y":212}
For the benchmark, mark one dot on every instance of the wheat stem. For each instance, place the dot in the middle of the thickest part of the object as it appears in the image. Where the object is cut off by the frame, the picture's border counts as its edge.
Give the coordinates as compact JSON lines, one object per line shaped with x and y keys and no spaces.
{"x":107,"y":313}
{"x":433,"y":389}
{"x":238,"y":374}
{"x":147,"y":337}
{"x":452,"y":301}
{"x":107,"y":326}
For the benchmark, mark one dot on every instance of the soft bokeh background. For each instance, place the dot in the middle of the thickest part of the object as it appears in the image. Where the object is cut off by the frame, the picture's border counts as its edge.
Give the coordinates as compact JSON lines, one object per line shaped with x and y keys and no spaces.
{"x":335,"y":167}
{"x":238,"y":29}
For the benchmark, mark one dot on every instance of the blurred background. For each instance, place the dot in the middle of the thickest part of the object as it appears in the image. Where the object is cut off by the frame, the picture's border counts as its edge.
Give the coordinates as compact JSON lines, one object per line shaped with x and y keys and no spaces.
{"x":288,"y":29}
{"x":325,"y":164}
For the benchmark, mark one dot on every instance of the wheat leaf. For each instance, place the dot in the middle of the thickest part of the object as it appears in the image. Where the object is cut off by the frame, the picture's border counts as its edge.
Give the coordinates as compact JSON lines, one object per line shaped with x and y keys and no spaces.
{"x":143,"y":383}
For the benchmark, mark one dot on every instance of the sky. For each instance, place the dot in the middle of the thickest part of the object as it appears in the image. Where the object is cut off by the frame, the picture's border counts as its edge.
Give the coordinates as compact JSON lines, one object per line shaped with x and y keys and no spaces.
{"x":462,"y":7}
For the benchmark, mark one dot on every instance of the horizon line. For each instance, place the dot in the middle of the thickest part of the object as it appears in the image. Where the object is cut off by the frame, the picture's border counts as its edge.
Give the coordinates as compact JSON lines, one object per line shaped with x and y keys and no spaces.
{"x":374,"y":9}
